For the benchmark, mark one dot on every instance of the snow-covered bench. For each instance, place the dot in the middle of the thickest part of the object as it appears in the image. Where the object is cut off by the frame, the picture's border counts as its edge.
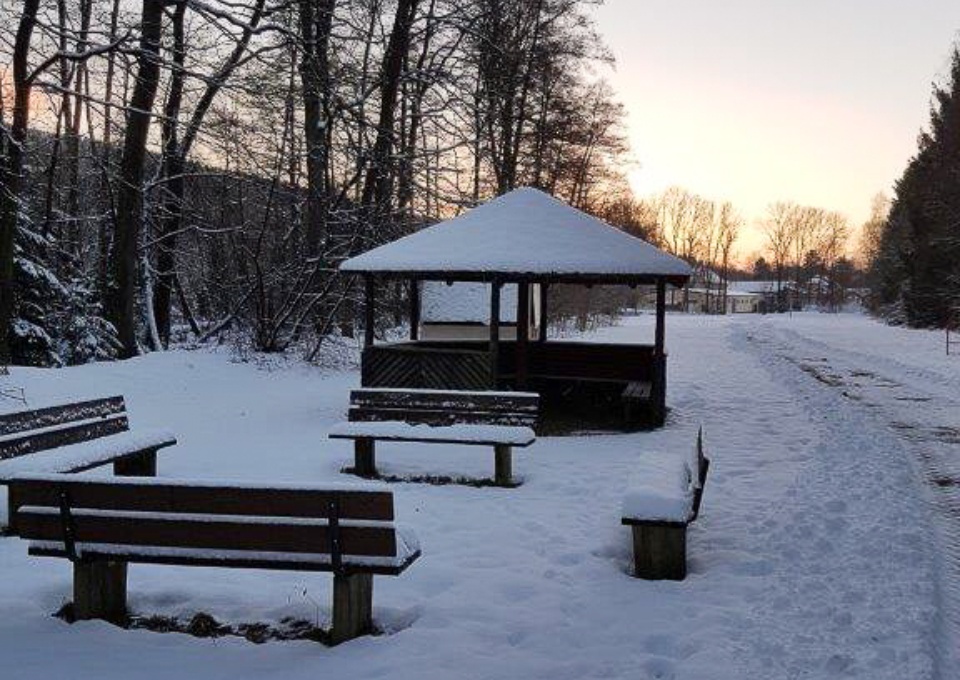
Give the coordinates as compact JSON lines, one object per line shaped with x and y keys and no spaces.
{"x":663,"y":497}
{"x":103,"y":524}
{"x":76,"y":437}
{"x":502,"y":420}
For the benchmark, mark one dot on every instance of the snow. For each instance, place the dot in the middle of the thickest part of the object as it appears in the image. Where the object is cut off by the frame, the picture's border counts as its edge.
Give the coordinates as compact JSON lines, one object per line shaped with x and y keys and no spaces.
{"x":525,"y":231}
{"x":464,"y":302}
{"x":820,"y":550}
{"x":661,"y":489}
{"x":472,"y":434}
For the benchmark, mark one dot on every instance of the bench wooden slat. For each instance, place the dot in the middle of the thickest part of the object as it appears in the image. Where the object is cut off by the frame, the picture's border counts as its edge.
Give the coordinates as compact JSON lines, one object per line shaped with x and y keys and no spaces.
{"x":200,"y":498}
{"x":320,"y":564}
{"x":438,"y":418}
{"x":184,"y":531}
{"x":13,"y":423}
{"x":51,"y":439}
{"x":493,"y":402}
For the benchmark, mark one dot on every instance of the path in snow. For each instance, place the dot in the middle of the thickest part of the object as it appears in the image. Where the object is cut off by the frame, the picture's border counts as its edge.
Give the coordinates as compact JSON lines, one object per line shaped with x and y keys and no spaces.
{"x":910,"y":391}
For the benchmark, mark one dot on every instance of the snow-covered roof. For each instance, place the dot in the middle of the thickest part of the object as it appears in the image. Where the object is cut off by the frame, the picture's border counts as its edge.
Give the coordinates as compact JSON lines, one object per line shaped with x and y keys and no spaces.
{"x":758,"y":287}
{"x":523,"y":234}
{"x":465,"y":301}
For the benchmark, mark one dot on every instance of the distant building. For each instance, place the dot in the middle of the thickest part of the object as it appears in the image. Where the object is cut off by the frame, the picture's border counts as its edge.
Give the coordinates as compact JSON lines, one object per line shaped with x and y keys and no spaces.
{"x":767,"y":296}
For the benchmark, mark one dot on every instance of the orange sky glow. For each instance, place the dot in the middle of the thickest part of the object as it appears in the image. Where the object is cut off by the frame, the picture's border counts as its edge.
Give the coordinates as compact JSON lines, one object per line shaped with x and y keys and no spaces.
{"x":755,"y":101}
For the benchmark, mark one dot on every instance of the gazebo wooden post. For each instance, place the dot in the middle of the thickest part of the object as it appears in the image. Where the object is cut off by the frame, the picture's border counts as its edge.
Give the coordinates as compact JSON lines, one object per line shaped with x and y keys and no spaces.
{"x":494,"y":348}
{"x":542,"y":327}
{"x":660,"y":356}
{"x":523,"y":332}
{"x":369,"y":294}
{"x":414,"y":309}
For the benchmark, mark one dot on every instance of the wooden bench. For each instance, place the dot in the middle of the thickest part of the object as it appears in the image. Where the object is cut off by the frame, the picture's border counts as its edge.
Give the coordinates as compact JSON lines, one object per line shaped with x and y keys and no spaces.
{"x":103,"y":524}
{"x":76,"y":437}
{"x":502,"y":420}
{"x":663,"y":498}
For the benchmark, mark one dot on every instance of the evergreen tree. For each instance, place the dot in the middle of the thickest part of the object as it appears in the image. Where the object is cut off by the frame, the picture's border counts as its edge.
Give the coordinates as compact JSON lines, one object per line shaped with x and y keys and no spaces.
{"x":916,"y":268}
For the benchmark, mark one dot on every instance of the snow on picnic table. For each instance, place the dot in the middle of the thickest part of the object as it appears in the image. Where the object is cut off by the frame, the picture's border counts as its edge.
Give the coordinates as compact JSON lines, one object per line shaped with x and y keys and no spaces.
{"x":812,"y":556}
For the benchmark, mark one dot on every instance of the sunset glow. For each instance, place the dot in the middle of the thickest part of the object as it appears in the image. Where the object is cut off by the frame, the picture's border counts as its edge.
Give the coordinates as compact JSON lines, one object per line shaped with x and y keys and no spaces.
{"x":753,"y":102}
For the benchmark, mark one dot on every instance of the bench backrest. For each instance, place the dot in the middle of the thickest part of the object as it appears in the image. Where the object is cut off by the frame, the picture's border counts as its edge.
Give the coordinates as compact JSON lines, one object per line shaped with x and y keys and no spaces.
{"x":247,"y":521}
{"x":434,"y":407}
{"x":47,"y":428}
{"x":699,"y":466}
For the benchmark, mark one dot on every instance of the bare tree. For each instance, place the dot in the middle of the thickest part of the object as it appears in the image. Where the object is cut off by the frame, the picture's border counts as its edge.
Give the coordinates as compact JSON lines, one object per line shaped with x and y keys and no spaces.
{"x":124,"y":260}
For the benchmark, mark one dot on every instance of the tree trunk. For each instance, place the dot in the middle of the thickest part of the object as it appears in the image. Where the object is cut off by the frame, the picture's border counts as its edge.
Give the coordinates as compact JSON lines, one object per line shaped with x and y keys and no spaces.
{"x":171,"y":187}
{"x":377,"y":185}
{"x":11,"y":177}
{"x":316,"y":21}
{"x":123,"y":289}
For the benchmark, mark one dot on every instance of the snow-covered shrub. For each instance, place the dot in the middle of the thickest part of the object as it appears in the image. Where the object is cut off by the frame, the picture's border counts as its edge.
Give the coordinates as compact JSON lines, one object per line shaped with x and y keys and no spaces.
{"x":57,"y":323}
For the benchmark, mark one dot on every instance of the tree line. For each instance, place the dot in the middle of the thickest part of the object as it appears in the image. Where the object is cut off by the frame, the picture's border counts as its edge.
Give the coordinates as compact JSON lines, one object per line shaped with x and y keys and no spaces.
{"x":177,"y":169}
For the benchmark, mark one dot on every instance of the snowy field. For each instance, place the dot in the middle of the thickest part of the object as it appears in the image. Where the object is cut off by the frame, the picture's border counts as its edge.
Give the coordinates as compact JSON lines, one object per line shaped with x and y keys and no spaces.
{"x":823,"y":549}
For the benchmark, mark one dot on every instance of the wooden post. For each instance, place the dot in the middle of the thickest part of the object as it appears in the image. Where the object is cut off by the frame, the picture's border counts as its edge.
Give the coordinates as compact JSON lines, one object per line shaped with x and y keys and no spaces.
{"x":143,"y":464}
{"x":660,"y":551}
{"x":494,"y":348}
{"x":352,"y":606}
{"x":100,"y":591}
{"x":523,"y":333}
{"x":503,"y":474}
{"x":414,"y":309}
{"x":364,"y":457}
{"x":660,"y":333}
{"x":369,"y":295}
{"x":542,"y":335}
{"x":659,"y":396}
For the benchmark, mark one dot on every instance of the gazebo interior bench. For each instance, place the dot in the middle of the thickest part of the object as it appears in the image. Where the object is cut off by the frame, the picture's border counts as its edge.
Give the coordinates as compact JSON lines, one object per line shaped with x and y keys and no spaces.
{"x":102,"y":524}
{"x":502,"y":420}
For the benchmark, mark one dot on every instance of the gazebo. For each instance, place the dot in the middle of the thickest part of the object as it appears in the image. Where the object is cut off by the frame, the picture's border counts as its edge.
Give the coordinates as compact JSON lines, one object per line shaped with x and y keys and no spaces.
{"x":534,"y":241}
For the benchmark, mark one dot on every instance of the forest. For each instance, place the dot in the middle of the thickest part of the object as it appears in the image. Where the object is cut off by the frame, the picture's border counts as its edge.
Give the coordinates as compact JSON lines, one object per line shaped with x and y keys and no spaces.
{"x":180,"y":170}
{"x":173,"y":169}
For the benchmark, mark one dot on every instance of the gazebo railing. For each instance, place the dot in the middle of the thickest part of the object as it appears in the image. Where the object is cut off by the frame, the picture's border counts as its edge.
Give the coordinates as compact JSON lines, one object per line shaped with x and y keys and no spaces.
{"x":422,"y":366}
{"x":465,"y":365}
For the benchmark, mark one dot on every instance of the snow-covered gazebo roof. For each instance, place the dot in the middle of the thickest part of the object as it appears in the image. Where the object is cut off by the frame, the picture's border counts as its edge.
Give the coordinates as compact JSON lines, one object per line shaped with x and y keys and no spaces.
{"x":525,"y":235}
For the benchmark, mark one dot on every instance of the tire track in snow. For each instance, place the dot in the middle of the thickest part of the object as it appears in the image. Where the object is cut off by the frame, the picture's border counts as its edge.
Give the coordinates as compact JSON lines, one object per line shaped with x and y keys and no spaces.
{"x":919,"y":408}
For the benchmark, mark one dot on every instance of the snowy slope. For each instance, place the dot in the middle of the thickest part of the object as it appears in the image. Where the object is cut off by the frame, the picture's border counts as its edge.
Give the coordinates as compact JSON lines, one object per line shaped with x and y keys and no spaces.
{"x":813,"y":555}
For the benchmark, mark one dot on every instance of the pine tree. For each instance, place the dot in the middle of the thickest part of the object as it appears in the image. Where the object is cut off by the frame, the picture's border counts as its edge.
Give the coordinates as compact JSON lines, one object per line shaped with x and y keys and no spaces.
{"x":917,"y":265}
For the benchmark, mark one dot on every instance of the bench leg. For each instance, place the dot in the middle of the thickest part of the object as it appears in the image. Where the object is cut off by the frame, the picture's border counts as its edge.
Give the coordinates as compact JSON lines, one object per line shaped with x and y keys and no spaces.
{"x":100,"y":591}
{"x":503,"y":475}
{"x":143,"y":464}
{"x":660,"y":551}
{"x":352,"y":606}
{"x":365,"y":457}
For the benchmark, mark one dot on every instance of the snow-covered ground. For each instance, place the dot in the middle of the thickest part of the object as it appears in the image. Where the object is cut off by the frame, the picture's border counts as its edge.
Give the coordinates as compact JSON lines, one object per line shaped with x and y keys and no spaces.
{"x":822,"y":549}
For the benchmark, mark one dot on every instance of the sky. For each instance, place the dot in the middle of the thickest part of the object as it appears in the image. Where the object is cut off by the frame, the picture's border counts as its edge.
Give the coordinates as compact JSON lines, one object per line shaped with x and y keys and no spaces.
{"x":755,"y":101}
